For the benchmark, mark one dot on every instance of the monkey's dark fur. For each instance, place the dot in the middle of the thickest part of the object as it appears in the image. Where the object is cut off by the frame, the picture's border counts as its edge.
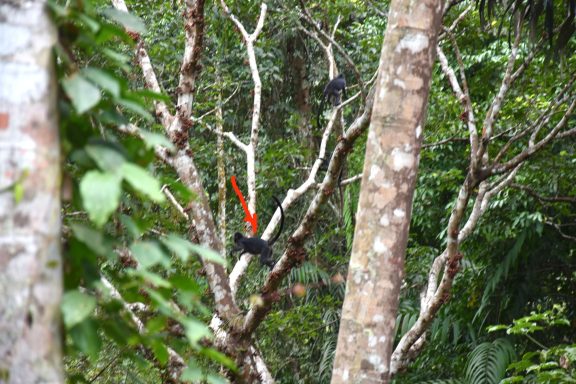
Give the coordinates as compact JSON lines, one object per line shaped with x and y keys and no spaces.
{"x":332,"y":93}
{"x":256,"y":246}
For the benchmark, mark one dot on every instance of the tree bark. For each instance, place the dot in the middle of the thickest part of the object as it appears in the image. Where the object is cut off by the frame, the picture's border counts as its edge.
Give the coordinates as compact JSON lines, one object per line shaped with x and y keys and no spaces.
{"x":376,"y":268}
{"x":30,"y":260}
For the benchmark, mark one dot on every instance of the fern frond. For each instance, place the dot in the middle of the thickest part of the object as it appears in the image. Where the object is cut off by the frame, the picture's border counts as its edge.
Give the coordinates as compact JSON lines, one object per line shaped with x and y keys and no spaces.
{"x":487,"y":363}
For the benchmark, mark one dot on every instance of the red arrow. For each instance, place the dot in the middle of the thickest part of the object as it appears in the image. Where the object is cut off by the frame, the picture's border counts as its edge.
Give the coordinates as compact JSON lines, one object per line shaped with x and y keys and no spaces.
{"x":252,"y":219}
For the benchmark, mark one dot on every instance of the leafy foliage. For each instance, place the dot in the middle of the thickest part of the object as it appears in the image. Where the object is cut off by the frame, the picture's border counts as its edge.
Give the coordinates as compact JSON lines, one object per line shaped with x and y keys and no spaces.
{"x":488,"y":361}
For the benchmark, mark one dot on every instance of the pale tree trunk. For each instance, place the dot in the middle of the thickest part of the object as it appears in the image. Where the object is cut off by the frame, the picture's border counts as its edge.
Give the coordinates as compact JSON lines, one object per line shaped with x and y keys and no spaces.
{"x":376,"y":268}
{"x":30,"y":262}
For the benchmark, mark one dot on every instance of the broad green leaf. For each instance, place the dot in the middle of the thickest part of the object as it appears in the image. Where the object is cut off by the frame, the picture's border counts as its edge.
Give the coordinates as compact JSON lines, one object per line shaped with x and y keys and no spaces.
{"x":85,"y":337}
{"x":90,"y":22}
{"x":153,"y":278}
{"x":182,"y":249}
{"x":131,"y":226}
{"x":103,"y":79}
{"x":118,"y":57}
{"x":100,"y":195}
{"x":161,"y":302}
{"x":152,"y":139}
{"x":215,"y":379}
{"x":148,"y":254}
{"x":192,"y":373}
{"x":136,"y":108}
{"x":18,"y":191}
{"x":208,"y":254}
{"x":76,"y":306}
{"x":128,"y":20}
{"x":92,"y":238}
{"x":195,"y":331}
{"x":149,"y":94}
{"x":84,"y":94}
{"x":219,"y":357}
{"x":142,"y":181}
{"x":160,"y":351}
{"x":156,"y":324}
{"x":106,"y":156}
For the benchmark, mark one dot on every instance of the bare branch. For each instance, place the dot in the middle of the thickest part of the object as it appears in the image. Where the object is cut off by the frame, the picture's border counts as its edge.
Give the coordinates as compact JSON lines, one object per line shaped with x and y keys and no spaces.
{"x":498,"y":99}
{"x":352,"y":179}
{"x":464,"y":99}
{"x":456,"y":21}
{"x":174,"y":202}
{"x":560,"y":231}
{"x":217,"y":108}
{"x":548,"y":199}
{"x":531,"y":150}
{"x":445,"y":141}
{"x":250,"y":149}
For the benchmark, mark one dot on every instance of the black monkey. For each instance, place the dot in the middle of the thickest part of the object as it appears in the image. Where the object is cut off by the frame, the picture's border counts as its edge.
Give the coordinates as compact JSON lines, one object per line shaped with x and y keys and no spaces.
{"x":332,"y":92}
{"x":256,"y":246}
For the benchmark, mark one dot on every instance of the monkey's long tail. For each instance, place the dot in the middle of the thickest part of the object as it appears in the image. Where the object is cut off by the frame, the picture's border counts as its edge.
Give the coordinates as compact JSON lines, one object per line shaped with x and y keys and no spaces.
{"x":273,"y":240}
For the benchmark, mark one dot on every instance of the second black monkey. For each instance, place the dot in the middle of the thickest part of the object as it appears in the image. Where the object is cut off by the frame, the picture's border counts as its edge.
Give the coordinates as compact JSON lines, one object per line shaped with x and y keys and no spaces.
{"x":332,"y":92}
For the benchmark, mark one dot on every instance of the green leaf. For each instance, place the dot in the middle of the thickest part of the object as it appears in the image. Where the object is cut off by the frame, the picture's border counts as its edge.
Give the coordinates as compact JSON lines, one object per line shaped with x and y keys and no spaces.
{"x":84,"y":94}
{"x":156,"y":324}
{"x":150,"y":94}
{"x":131,"y":226}
{"x":165,"y":306}
{"x":160,"y":351}
{"x":208,"y":254}
{"x":92,"y":238}
{"x":192,"y":373}
{"x":100,"y":195}
{"x":18,"y":191}
{"x":195,"y":330}
{"x":215,"y":379}
{"x":90,"y":22}
{"x":182,"y":249}
{"x":76,"y":306}
{"x":103,"y":79}
{"x":128,"y":20}
{"x":136,"y":108}
{"x":153,"y":278}
{"x":85,"y":337}
{"x":219,"y":358}
{"x":106,"y":156}
{"x":118,"y":57}
{"x":499,"y":327}
{"x":142,"y":181}
{"x":152,"y":139}
{"x":148,"y":254}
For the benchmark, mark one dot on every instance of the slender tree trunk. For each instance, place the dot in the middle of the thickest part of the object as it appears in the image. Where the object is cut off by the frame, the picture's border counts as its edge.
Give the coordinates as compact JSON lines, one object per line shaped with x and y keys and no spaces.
{"x":376,"y":268}
{"x":30,"y":261}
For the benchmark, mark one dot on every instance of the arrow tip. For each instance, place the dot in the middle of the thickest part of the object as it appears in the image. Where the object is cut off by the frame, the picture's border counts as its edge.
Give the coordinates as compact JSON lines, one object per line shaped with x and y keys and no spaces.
{"x":253,"y":220}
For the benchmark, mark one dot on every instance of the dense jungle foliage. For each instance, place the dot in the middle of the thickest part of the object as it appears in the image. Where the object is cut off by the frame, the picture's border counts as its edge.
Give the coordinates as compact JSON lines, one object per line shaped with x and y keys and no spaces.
{"x":510,"y":313}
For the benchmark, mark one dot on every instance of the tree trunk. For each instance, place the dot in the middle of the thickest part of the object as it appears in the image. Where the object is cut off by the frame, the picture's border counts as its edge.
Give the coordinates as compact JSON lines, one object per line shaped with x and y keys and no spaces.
{"x":30,"y":261}
{"x":376,"y":268}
